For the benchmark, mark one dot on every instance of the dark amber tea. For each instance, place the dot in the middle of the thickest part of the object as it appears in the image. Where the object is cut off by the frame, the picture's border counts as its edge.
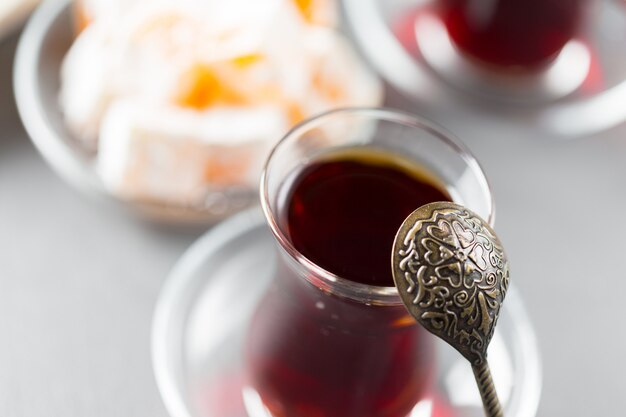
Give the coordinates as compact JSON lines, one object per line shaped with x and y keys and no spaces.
{"x":315,"y":354}
{"x":520,"y":33}
{"x":344,"y":211}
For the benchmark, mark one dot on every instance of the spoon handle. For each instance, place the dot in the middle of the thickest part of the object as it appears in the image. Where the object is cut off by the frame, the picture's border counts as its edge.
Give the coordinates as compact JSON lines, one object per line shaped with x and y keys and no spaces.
{"x":487,"y":389}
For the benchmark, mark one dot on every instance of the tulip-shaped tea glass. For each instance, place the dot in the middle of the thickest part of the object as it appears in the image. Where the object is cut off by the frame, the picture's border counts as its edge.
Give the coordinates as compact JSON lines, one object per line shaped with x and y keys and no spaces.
{"x":324,"y":341}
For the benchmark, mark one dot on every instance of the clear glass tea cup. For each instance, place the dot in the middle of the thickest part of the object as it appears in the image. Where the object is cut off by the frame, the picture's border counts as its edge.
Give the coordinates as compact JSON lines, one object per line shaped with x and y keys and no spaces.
{"x":320,"y":344}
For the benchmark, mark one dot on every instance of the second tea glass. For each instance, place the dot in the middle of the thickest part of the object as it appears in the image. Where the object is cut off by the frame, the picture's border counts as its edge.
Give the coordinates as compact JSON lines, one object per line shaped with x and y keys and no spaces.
{"x":510,"y":50}
{"x":473,"y":59}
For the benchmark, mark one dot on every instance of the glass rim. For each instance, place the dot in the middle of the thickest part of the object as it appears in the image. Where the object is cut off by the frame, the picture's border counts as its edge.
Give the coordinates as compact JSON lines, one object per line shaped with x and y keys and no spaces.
{"x":319,"y":276}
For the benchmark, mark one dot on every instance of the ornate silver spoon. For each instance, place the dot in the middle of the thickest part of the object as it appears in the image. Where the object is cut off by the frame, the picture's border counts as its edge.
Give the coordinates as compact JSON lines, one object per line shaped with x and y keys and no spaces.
{"x":452,"y":275}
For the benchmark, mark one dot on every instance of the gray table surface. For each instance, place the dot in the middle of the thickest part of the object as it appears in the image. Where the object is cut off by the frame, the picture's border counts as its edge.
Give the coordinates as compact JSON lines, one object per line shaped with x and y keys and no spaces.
{"x":79,"y":279}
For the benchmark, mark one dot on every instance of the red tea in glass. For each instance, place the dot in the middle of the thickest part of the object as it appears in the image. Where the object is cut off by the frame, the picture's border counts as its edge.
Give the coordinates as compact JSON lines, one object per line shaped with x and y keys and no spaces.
{"x":343,"y":211}
{"x":331,"y":337}
{"x":512,"y":33}
{"x":326,"y":356}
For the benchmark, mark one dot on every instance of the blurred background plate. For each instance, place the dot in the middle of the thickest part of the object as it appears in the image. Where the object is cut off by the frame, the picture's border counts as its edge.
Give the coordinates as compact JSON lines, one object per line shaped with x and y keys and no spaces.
{"x":42,"y":46}
{"x":199,"y":332}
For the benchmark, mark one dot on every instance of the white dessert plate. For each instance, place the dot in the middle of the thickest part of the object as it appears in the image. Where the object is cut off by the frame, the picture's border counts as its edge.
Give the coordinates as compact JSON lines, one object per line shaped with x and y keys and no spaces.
{"x":45,"y":40}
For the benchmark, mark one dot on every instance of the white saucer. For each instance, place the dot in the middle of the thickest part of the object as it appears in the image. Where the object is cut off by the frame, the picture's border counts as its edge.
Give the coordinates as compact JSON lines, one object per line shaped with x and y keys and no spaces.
{"x":198,"y":333}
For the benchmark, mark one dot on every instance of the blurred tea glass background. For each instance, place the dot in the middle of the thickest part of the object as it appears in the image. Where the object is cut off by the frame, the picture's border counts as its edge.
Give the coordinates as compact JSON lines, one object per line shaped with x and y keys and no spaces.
{"x":80,"y":276}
